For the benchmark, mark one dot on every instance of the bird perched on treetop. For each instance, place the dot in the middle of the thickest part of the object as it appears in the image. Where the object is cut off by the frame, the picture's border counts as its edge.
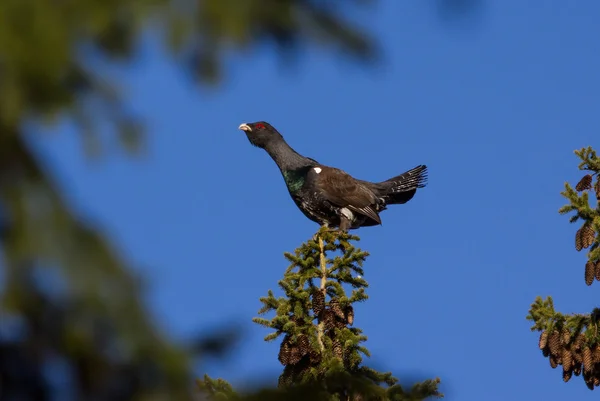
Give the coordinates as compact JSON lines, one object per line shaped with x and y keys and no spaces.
{"x":328,"y":195}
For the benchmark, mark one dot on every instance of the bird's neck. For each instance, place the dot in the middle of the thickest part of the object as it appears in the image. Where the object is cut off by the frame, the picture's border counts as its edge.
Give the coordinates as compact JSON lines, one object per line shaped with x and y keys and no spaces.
{"x":286,"y":158}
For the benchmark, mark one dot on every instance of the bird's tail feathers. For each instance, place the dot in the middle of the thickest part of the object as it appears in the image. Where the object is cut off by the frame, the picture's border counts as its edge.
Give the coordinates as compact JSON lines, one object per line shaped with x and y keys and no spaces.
{"x":411,"y":179}
{"x":401,"y":188}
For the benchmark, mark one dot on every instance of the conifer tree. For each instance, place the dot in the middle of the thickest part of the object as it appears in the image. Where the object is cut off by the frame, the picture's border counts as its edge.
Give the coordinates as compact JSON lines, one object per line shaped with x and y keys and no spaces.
{"x":321,"y":350}
{"x":573,"y":341}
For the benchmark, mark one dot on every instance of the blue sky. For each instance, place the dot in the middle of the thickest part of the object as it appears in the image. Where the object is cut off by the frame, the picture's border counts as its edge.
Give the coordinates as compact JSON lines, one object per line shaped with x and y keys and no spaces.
{"x":495,"y":110}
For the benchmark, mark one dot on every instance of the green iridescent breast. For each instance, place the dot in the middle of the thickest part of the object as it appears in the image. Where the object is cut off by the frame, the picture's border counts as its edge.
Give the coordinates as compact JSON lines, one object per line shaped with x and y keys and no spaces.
{"x":294,"y":179}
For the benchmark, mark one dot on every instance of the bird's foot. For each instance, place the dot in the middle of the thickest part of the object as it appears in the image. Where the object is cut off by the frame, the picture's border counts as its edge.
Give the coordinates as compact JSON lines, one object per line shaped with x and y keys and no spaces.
{"x":335,"y":230}
{"x":325,"y":229}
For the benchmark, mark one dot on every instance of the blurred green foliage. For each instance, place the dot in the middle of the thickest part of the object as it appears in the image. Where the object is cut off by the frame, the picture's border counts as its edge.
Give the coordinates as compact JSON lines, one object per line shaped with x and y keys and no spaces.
{"x":50,"y":50}
{"x":51,"y":58}
{"x":66,"y":294}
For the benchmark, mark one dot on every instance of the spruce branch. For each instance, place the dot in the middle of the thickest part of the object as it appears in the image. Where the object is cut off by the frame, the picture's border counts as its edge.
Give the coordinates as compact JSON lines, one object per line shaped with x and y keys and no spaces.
{"x":573,"y":340}
{"x":588,"y":234}
{"x":589,"y":159}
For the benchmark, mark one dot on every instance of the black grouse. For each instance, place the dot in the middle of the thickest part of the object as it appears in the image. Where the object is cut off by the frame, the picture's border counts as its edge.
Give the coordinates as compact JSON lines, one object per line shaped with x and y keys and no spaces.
{"x":330,"y":196}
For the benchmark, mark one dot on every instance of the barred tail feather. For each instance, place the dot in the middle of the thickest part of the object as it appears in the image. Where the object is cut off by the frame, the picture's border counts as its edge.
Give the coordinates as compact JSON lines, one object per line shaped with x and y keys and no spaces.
{"x":413,"y":178}
{"x":402,"y":188}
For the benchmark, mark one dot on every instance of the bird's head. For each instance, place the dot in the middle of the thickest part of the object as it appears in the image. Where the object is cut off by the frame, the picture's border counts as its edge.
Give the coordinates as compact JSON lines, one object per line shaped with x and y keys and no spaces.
{"x":260,"y":133}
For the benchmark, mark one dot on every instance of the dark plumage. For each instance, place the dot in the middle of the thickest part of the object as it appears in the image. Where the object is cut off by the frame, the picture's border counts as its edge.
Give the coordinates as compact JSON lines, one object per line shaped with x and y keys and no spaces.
{"x":328,"y":195}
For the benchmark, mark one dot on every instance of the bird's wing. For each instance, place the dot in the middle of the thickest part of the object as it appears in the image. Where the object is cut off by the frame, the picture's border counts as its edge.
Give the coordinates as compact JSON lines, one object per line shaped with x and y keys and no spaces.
{"x":341,"y":189}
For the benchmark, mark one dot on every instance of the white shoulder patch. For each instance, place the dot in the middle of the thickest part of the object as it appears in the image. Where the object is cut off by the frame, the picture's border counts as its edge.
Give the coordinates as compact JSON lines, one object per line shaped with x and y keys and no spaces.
{"x":317,"y":169}
{"x":347,"y":213}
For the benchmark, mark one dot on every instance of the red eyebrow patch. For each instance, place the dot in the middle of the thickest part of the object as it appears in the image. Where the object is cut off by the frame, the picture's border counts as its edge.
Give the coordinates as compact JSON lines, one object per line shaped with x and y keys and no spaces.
{"x":259,"y":125}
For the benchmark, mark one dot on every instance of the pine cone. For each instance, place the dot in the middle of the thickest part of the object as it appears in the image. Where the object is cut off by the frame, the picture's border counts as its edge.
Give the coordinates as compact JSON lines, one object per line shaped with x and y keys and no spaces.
{"x":590,"y":272}
{"x":596,"y":354}
{"x":579,"y":341}
{"x":590,"y":383}
{"x":350,"y":312}
{"x":300,"y":322}
{"x":597,"y":188}
{"x":350,"y":362}
{"x":303,"y":344}
{"x":543,"y":340}
{"x":337,"y":348}
{"x":596,"y":381}
{"x":553,"y":361}
{"x":339,"y":323}
{"x":334,"y":305}
{"x":567,"y":359}
{"x":577,"y":355}
{"x":285,"y":379}
{"x":318,"y":301}
{"x":292,"y":353}
{"x":588,"y":361}
{"x":546,"y":352}
{"x":554,"y":343}
{"x":587,"y":235}
{"x":315,"y":357}
{"x":584,"y":184}
{"x":578,"y":244}
{"x":293,"y":373}
{"x":284,"y":356}
{"x":285,"y":351}
{"x":301,"y":368}
{"x":567,"y":374}
{"x":295,"y":355}
{"x":577,"y":369}
{"x":328,"y":319}
{"x":566,"y":336}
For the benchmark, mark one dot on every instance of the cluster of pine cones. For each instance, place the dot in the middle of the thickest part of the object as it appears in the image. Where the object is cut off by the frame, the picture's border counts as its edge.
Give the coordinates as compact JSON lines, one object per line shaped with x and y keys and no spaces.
{"x":573,"y":354}
{"x":331,"y":315}
{"x":298,"y":356}
{"x":585,"y":236}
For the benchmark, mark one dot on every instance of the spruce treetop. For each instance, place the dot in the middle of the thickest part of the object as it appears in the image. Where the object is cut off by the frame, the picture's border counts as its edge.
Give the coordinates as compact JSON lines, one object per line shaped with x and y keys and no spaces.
{"x":321,"y":349}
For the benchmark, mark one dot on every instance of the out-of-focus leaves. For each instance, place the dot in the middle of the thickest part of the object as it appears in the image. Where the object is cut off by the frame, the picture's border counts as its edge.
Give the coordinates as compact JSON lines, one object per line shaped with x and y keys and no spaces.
{"x":103,"y":327}
{"x":51,"y":58}
{"x":358,"y":388}
{"x":53,"y":55}
{"x":103,"y":363}
{"x":46,"y":46}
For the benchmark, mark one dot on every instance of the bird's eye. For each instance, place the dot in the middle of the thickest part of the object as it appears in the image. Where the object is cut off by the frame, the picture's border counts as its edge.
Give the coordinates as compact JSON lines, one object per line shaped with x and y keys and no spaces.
{"x":260,"y":126}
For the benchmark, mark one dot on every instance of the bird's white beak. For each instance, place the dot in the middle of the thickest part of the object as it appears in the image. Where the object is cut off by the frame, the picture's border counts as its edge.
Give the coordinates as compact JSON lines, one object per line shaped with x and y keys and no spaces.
{"x":245,"y":127}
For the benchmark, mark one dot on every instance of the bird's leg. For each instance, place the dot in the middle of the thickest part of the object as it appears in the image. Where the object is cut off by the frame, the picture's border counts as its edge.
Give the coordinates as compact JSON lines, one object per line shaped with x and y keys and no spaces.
{"x":343,"y":227}
{"x":327,"y":229}
{"x":324,"y":225}
{"x":344,"y":224}
{"x":333,"y":230}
